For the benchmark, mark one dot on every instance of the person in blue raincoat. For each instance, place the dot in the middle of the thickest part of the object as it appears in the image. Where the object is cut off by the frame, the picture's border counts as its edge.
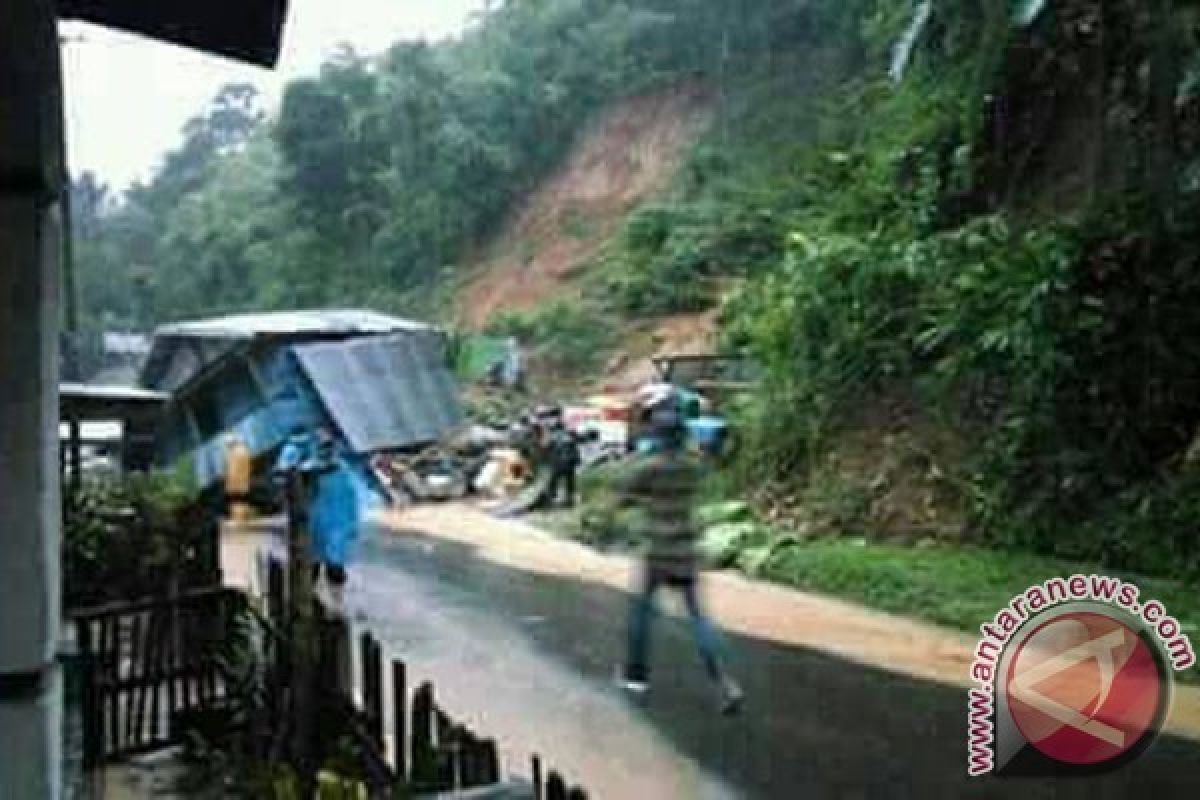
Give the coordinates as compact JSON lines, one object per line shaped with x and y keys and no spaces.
{"x":334,"y":513}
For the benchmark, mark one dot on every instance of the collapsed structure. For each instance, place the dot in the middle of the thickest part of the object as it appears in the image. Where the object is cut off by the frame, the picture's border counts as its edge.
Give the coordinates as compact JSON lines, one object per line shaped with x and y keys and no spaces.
{"x":379,"y":383}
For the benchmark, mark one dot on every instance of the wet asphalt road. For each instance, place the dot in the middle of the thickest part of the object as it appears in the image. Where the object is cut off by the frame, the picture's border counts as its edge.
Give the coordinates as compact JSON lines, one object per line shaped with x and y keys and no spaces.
{"x":530,"y":656}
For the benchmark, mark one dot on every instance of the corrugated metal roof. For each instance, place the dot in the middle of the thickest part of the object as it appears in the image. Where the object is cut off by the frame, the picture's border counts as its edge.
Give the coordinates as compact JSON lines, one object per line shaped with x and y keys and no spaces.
{"x":84,"y":391}
{"x":292,"y":323}
{"x":385,"y":392}
{"x":183,"y":350}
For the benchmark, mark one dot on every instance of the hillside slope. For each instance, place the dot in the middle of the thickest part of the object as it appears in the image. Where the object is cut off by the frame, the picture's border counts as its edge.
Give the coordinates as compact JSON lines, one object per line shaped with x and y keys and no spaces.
{"x":955,"y":250}
{"x":630,"y":153}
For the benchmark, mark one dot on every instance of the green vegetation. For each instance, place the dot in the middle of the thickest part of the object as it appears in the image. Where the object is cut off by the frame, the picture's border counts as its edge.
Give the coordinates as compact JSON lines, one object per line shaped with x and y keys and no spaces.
{"x":1020,"y":271}
{"x":961,"y":587}
{"x":564,"y":336}
{"x":134,"y":537}
{"x":983,"y":221}
{"x":379,"y":175}
{"x":665,"y":262}
{"x":1012,"y":276}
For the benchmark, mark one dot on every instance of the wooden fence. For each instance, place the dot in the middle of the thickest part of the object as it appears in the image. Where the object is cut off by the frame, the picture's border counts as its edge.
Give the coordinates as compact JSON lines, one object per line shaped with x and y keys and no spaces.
{"x":157,"y":669}
{"x":412,"y":741}
{"x":150,"y":668}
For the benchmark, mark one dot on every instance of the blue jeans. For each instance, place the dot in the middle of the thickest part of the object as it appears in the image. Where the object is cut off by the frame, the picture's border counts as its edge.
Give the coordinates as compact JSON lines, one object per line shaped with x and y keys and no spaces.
{"x":642,"y":617}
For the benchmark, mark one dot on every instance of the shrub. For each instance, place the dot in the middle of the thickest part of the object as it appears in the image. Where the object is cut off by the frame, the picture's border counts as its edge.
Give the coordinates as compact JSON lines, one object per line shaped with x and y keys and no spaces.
{"x":569,"y":335}
{"x":722,"y":545}
{"x":976,"y":318}
{"x":133,"y":537}
{"x":671,"y":259}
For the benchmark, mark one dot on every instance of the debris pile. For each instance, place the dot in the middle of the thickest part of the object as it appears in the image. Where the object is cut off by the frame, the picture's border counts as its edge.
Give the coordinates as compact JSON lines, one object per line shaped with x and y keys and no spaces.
{"x":518,"y":458}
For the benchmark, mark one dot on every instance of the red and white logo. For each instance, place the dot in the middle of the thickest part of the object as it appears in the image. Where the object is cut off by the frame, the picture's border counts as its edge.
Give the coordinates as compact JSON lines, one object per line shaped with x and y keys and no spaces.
{"x":1073,"y":676}
{"x":1085,"y":688}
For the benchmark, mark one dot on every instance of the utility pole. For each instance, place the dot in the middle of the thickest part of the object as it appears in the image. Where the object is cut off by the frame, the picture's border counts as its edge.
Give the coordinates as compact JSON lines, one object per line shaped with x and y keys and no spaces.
{"x":73,"y":370}
{"x":31,"y":172}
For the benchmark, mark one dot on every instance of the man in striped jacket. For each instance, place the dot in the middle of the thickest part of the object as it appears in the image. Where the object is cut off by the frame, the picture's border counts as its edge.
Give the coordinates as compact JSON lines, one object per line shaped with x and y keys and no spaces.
{"x":663,"y":487}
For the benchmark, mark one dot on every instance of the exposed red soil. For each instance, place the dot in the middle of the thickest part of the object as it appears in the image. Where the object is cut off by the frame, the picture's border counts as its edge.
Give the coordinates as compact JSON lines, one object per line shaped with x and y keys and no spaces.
{"x":679,"y":334}
{"x":629,"y":154}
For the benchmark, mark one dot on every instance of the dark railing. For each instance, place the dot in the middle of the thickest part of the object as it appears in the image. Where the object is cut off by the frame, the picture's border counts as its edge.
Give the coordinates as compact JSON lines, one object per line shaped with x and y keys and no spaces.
{"x":155,"y":670}
{"x":148,"y":667}
{"x":429,"y":751}
{"x":554,"y":786}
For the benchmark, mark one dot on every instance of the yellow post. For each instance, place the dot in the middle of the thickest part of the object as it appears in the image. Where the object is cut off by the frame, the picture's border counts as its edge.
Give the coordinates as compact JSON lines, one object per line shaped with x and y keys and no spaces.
{"x":238,"y":468}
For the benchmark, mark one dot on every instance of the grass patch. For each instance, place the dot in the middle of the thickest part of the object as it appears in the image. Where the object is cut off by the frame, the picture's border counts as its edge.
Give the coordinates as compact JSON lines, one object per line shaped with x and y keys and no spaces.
{"x":955,"y":586}
{"x":961,"y":587}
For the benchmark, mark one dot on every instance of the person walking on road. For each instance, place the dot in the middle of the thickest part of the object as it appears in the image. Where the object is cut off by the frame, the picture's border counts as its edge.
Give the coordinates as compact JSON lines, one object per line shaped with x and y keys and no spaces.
{"x":333,"y":515}
{"x":663,"y":486}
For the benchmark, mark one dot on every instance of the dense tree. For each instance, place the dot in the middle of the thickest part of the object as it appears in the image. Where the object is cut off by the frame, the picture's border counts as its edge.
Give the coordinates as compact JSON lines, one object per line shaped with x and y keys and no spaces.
{"x":378,"y":174}
{"x":1003,"y":227}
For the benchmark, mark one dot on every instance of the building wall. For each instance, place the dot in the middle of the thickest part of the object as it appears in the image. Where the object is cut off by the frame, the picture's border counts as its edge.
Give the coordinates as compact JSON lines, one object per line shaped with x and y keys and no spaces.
{"x":31,"y":179}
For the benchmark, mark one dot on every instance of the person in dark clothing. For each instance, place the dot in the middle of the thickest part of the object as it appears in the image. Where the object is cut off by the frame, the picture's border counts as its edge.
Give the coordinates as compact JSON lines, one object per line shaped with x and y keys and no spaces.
{"x":663,"y":487}
{"x":564,"y":458}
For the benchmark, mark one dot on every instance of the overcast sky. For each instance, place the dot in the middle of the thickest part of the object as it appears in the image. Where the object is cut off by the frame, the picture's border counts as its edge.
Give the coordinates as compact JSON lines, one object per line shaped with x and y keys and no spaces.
{"x":127,"y":97}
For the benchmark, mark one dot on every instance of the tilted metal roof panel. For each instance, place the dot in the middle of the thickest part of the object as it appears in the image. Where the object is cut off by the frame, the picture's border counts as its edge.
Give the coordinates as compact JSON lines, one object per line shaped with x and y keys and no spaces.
{"x":385,"y":392}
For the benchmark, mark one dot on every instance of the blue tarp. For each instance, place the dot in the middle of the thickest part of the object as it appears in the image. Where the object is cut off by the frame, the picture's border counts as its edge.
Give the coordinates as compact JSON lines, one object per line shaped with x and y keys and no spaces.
{"x":338,"y":500}
{"x":334,"y":516}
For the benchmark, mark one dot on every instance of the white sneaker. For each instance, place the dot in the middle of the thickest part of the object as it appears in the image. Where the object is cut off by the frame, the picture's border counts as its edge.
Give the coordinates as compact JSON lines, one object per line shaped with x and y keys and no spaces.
{"x":732,"y":696}
{"x":337,"y":598}
{"x":332,"y":599}
{"x":637,"y":690}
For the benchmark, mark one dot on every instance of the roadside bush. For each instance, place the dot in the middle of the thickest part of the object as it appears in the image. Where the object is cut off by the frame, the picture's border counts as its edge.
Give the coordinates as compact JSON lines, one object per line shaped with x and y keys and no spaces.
{"x":1148,"y":528}
{"x":1035,"y":343}
{"x":722,"y":545}
{"x":604,"y":519}
{"x":827,"y":326}
{"x":672,"y":259}
{"x":570,"y":336}
{"x":132,"y":537}
{"x":976,"y":319}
